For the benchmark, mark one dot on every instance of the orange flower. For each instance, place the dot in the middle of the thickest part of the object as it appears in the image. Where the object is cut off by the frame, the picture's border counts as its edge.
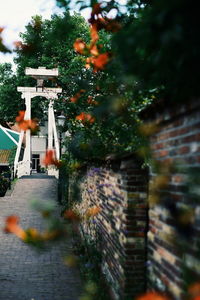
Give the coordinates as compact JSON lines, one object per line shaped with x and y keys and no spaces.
{"x":29,"y":124}
{"x":94,"y":33}
{"x":196,"y":298}
{"x":24,"y":47}
{"x":33,"y":234}
{"x":20,"y":117}
{"x":91,"y":101}
{"x":85,"y":118}
{"x":93,"y":211}
{"x":79,"y":46}
{"x":13,"y":227}
{"x":71,"y":215}
{"x":94,"y":50}
{"x":89,"y":61}
{"x":194,"y":289}
{"x":81,"y":117}
{"x":51,"y":235}
{"x":18,"y":44}
{"x":26,"y":124}
{"x":152,"y":296}
{"x":100,"y":62}
{"x":50,"y":159}
{"x":108,"y":24}
{"x":75,"y":98}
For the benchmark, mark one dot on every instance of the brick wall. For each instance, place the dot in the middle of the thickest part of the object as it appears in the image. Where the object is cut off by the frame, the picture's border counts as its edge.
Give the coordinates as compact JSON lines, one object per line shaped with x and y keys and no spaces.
{"x":174,"y":222}
{"x":120,"y":191}
{"x":172,"y":260}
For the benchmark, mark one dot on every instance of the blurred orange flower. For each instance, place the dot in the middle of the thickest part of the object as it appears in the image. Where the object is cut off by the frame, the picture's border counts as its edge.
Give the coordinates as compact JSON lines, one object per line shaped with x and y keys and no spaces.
{"x":79,"y":46}
{"x":51,"y":235}
{"x":71,"y":215}
{"x":20,"y":116}
{"x":50,"y":159}
{"x":33,"y":234}
{"x":93,"y":211}
{"x":85,"y":118}
{"x":26,"y":124}
{"x":194,"y":290}
{"x":152,"y":296}
{"x":91,"y":101}
{"x":89,"y":61}
{"x":94,"y":33}
{"x":75,"y":98}
{"x":13,"y":227}
{"x":94,"y":50}
{"x":24,"y":47}
{"x":18,"y":44}
{"x":100,"y":61}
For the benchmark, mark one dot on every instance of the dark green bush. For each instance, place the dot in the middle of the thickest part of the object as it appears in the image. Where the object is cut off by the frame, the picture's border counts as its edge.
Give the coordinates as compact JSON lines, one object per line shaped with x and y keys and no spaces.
{"x":4,"y":184}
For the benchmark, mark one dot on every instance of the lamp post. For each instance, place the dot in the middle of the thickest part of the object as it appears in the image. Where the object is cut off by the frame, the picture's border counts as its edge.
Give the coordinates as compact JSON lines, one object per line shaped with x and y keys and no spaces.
{"x":61,"y":122}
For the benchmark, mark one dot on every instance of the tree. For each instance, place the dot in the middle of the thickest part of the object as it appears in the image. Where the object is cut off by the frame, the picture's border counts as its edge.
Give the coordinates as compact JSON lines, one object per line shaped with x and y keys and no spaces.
{"x":103,"y":96}
{"x":49,"y":43}
{"x":10,"y":100}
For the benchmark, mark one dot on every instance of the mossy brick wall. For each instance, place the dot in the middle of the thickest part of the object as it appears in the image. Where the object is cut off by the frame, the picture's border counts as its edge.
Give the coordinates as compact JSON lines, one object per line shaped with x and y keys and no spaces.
{"x":174,"y":236}
{"x":120,"y":191}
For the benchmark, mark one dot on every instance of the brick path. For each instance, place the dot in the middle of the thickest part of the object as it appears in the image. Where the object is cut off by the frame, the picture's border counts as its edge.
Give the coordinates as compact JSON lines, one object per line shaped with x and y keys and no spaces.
{"x":26,"y":274}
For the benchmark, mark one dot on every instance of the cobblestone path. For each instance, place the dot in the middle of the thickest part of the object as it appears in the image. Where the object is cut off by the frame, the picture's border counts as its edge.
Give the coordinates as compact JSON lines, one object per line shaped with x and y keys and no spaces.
{"x":26,"y":274}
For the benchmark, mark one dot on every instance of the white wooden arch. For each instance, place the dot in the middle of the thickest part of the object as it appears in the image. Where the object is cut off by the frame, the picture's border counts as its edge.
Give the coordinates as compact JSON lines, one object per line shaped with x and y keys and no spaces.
{"x":24,"y":167}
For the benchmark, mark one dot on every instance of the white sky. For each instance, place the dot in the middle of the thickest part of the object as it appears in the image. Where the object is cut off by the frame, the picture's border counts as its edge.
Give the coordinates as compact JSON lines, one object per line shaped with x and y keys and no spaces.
{"x":15,"y":15}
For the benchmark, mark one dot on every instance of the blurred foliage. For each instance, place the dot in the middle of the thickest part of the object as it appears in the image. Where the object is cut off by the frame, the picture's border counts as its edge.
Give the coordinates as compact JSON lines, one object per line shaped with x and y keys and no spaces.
{"x":161,"y":46}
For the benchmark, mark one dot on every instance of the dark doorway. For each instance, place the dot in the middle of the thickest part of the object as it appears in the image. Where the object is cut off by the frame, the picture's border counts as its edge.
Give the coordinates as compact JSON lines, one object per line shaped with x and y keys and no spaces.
{"x":36,"y":163}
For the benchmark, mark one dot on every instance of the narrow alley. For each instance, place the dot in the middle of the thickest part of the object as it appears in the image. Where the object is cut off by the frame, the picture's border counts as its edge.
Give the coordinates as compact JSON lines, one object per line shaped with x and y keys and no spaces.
{"x":26,"y":273}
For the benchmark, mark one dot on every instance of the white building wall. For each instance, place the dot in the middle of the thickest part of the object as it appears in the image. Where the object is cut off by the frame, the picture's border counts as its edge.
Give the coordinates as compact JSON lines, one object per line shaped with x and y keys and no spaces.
{"x":38,"y":144}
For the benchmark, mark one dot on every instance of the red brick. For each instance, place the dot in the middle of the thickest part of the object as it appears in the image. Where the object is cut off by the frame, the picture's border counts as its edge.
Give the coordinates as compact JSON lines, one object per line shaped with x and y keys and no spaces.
{"x":184,"y":150}
{"x":179,"y":132}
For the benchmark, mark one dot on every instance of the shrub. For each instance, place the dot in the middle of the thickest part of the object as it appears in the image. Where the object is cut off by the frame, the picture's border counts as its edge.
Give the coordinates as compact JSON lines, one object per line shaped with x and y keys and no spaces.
{"x":4,"y":184}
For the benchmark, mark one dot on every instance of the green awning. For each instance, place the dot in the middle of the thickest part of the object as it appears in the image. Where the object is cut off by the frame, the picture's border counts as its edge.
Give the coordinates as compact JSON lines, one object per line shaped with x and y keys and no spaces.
{"x":8,"y":138}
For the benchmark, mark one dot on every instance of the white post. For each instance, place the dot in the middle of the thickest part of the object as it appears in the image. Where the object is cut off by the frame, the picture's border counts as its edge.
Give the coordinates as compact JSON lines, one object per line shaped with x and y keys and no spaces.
{"x":55,"y":136}
{"x":18,"y":151}
{"x":27,"y":152}
{"x":50,"y":128}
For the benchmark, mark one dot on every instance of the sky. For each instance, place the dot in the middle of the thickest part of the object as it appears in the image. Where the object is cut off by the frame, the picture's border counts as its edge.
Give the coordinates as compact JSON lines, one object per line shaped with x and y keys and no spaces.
{"x":15,"y":15}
